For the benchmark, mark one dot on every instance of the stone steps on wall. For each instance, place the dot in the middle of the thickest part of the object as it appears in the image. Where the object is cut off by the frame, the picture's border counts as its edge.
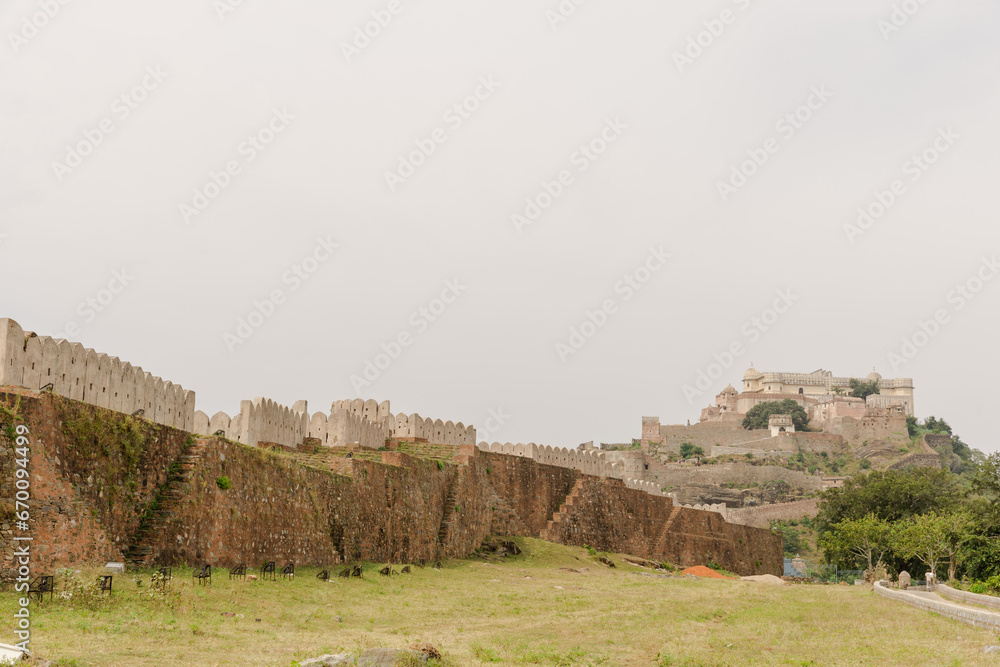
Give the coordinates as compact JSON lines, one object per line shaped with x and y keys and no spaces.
{"x":557,"y":517}
{"x":449,"y":512}
{"x":661,"y":539}
{"x":176,"y":491}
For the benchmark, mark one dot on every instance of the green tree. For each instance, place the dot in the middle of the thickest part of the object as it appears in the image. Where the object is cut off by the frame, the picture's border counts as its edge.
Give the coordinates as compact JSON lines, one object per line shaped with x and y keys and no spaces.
{"x":791,"y":539}
{"x":757,"y":417}
{"x":867,"y":540}
{"x":935,"y":425}
{"x":891,"y":495}
{"x":987,"y":479}
{"x":933,"y":537}
{"x":863,"y":388}
{"x":688,"y":451}
{"x":911,"y":425}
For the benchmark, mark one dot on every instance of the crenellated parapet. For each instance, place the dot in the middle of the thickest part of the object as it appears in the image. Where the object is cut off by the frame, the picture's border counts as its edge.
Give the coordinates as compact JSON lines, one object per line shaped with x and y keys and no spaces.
{"x":79,"y":373}
{"x":588,"y":461}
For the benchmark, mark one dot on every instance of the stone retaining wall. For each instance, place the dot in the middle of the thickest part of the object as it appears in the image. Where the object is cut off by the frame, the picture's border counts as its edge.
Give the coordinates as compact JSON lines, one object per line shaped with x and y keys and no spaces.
{"x":966,"y":597}
{"x":980,"y":619}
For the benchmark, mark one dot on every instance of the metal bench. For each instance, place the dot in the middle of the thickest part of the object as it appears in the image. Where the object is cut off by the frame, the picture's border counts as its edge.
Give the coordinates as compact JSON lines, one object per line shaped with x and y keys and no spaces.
{"x":204,"y":575}
{"x":240,"y":571}
{"x":42,"y":585}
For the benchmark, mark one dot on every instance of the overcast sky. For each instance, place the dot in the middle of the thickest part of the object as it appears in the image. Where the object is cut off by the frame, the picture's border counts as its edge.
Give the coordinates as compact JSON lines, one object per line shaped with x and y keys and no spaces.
{"x":693,"y":165}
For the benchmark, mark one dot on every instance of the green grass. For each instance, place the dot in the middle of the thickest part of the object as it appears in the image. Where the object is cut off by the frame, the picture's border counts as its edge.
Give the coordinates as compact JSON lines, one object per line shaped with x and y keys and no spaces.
{"x":525,"y":610}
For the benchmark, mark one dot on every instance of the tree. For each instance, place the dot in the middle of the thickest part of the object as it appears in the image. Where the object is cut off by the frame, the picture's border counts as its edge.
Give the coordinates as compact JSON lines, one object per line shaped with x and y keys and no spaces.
{"x":987,"y":480}
{"x":688,"y":450}
{"x":935,"y":425}
{"x":891,"y":495}
{"x":932,"y":537}
{"x":863,"y":388}
{"x":791,"y":539}
{"x":867,"y":539}
{"x":757,"y":417}
{"x":911,"y":425}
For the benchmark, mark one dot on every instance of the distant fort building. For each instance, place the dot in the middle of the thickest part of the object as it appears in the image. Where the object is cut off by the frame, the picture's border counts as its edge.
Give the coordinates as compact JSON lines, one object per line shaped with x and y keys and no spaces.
{"x":818,"y":391}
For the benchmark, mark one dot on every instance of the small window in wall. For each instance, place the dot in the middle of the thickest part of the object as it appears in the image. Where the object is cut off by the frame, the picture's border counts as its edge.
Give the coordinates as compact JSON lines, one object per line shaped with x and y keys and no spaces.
{"x":801,"y":390}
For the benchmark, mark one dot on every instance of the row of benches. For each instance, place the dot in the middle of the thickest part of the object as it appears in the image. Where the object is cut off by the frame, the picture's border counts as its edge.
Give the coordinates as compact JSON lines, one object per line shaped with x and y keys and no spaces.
{"x":41,"y":585}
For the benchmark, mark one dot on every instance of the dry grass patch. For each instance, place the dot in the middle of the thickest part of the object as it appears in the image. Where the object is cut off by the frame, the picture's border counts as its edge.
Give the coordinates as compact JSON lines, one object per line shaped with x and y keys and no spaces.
{"x":525,"y":610}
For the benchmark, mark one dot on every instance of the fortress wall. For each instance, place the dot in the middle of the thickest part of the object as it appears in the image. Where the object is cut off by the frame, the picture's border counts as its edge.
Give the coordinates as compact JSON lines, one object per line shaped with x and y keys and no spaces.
{"x":676,"y":476}
{"x":762,"y":515}
{"x":787,"y":444}
{"x":408,"y":427}
{"x":435,"y":431}
{"x":350,"y":427}
{"x":388,"y":511}
{"x":589,"y":462}
{"x":609,"y":516}
{"x":525,"y":493}
{"x":32,"y":361}
{"x":263,"y":420}
{"x":707,"y":434}
{"x":87,"y":496}
{"x":878,"y":427}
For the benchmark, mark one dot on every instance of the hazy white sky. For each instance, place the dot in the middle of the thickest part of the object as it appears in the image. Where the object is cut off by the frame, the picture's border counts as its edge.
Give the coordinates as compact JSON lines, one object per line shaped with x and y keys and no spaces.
{"x":197,"y":160}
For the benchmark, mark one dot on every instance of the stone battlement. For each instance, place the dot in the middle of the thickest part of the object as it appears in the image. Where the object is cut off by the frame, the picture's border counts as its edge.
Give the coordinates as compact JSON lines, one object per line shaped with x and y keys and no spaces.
{"x":32,"y":361}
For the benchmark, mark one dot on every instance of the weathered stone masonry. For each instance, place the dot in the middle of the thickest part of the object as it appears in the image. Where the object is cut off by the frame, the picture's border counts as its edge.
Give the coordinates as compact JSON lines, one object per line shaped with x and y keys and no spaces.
{"x":401,"y":509}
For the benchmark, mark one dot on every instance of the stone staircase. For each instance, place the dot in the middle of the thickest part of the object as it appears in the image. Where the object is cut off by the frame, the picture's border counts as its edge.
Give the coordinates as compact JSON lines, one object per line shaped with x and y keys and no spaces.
{"x":449,"y":513}
{"x":172,"y":494}
{"x":661,"y":539}
{"x":557,"y":517}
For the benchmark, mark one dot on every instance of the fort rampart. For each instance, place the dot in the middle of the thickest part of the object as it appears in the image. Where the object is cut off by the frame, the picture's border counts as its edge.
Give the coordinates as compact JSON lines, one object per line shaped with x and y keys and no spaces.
{"x":32,"y":361}
{"x":275,"y":508}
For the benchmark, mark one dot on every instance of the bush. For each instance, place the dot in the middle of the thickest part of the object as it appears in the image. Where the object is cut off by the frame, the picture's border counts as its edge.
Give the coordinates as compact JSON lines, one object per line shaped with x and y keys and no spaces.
{"x":224,"y":483}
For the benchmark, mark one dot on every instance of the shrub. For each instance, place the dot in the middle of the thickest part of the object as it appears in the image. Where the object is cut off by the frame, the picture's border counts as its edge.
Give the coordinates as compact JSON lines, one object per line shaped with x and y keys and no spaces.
{"x":223,"y":483}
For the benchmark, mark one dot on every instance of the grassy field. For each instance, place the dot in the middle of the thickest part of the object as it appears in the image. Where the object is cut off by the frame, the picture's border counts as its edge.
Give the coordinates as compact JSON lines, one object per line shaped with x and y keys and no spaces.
{"x":524,"y":610}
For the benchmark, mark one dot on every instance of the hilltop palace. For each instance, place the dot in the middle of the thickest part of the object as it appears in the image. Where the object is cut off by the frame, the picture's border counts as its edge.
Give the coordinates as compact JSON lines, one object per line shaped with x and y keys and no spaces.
{"x":820,"y":393}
